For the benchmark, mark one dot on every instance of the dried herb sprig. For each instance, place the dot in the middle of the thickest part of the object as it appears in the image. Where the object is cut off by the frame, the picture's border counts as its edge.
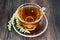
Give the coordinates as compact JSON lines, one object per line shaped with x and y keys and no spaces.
{"x":18,"y":24}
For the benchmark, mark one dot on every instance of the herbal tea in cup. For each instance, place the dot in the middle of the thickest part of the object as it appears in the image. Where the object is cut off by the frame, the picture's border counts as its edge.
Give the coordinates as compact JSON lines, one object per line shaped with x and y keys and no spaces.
{"x":30,"y":15}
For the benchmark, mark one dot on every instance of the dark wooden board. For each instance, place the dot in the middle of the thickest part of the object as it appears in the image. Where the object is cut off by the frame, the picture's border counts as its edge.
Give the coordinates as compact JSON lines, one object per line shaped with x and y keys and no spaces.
{"x":8,"y":7}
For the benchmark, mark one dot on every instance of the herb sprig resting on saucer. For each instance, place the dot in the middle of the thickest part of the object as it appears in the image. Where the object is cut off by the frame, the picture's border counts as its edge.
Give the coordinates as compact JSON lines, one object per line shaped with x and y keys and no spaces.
{"x":18,"y":24}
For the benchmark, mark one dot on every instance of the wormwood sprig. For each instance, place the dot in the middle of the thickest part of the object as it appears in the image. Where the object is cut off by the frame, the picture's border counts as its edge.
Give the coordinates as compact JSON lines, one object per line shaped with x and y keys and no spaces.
{"x":18,"y":24}
{"x":10,"y":22}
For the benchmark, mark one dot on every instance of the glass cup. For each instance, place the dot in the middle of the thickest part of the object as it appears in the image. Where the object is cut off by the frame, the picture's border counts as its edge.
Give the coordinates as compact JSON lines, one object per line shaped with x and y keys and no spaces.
{"x":30,"y":15}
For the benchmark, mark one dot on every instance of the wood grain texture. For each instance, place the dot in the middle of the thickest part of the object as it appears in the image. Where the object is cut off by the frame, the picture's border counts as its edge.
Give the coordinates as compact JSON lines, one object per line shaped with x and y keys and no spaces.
{"x":8,"y":7}
{"x":48,"y":35}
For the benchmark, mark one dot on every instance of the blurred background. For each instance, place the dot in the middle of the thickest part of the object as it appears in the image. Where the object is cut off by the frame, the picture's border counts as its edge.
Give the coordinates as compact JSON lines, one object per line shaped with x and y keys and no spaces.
{"x":55,"y":10}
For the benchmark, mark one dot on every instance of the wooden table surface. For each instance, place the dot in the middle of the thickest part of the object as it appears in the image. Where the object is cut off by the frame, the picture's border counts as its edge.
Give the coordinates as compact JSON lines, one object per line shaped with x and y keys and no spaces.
{"x":8,"y":7}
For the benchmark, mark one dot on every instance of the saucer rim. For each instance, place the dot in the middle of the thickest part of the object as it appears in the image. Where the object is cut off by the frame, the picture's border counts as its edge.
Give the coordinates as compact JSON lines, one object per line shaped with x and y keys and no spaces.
{"x":36,"y":34}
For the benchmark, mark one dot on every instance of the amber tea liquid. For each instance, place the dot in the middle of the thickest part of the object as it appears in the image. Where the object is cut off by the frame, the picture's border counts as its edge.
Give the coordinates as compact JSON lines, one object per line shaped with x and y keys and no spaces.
{"x":29,"y":14}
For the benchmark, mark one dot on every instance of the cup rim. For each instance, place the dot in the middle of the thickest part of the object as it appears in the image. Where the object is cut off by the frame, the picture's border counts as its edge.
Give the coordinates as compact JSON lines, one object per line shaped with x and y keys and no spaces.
{"x":36,"y":34}
{"x":29,"y":22}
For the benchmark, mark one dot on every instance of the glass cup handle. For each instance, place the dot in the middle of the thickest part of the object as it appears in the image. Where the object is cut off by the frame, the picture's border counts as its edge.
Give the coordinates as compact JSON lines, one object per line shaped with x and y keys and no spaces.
{"x":43,"y":9}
